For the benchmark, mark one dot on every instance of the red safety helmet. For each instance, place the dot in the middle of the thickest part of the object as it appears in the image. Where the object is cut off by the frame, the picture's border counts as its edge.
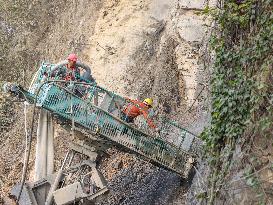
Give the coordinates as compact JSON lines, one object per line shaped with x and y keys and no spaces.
{"x":72,"y":57}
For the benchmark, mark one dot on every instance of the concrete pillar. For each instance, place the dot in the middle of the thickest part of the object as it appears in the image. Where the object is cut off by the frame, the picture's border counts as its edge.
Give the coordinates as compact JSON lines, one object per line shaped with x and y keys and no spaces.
{"x":44,"y":164}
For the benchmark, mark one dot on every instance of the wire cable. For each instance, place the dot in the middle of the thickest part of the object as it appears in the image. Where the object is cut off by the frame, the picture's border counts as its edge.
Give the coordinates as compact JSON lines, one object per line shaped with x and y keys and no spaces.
{"x":28,"y":143}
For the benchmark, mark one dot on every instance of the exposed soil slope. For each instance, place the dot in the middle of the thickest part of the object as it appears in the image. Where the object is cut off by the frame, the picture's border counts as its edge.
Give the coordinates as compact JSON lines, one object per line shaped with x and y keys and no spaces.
{"x":136,"y":48}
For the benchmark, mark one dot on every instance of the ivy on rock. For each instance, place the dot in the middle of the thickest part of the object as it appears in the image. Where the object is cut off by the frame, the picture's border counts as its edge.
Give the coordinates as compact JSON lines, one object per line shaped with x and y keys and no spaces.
{"x":241,"y":85}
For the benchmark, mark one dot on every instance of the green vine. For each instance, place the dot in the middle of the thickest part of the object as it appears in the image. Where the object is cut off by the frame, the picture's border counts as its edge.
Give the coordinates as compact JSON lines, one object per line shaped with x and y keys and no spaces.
{"x":241,"y":83}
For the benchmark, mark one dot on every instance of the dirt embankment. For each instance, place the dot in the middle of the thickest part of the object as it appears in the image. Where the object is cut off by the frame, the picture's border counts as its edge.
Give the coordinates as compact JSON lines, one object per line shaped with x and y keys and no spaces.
{"x":32,"y":32}
{"x":136,"y":48}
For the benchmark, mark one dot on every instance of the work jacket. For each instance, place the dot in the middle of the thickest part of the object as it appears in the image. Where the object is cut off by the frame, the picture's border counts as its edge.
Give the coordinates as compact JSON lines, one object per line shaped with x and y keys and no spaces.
{"x":74,"y":73}
{"x":138,"y":108}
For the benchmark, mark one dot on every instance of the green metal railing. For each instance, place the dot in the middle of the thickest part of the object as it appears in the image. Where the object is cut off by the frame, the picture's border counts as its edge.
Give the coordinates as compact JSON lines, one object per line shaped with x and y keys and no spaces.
{"x":97,"y":110}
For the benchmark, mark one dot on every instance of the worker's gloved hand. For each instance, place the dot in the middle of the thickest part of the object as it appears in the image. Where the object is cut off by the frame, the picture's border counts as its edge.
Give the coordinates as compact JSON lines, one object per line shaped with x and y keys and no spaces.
{"x":157,"y":130}
{"x":44,"y":77}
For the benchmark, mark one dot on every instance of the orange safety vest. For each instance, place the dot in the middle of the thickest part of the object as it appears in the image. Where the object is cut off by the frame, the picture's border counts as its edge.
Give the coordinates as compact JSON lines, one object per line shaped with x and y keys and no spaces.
{"x":136,"y":109}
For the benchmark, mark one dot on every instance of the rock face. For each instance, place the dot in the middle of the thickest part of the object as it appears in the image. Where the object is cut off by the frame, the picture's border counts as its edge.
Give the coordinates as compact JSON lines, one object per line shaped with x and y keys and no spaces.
{"x":150,"y":48}
{"x":196,"y":4}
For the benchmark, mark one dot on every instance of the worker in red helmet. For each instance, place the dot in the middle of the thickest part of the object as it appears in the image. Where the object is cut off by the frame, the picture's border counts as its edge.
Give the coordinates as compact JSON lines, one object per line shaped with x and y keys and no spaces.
{"x":136,"y":108}
{"x":70,"y":69}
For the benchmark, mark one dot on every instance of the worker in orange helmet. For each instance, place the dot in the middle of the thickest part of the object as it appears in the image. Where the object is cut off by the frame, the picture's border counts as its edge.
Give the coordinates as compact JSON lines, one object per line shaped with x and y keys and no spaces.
{"x":72,"y":71}
{"x":137,"y":108}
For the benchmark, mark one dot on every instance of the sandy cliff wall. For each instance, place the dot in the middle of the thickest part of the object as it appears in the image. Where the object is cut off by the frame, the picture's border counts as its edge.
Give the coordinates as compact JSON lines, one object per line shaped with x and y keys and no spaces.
{"x":148,"y":48}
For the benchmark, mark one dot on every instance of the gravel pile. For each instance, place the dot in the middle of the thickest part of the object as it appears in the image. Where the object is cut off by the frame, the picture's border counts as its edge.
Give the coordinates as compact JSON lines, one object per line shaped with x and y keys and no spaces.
{"x":137,"y":182}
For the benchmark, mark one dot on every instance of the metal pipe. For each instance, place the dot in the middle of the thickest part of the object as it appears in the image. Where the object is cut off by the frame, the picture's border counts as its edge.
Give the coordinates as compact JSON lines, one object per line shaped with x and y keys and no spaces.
{"x":56,"y":182}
